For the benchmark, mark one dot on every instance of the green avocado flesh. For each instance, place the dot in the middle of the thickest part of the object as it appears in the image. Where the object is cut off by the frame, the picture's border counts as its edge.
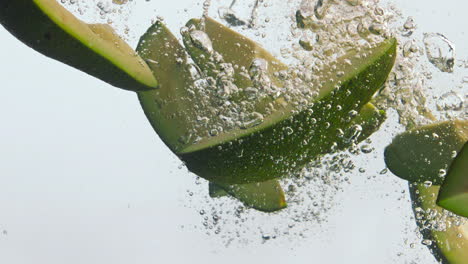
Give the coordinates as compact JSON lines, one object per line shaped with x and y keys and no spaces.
{"x":449,"y":244}
{"x":420,"y":154}
{"x":453,"y":194}
{"x":287,"y":139}
{"x":263,"y":196}
{"x":47,"y":27}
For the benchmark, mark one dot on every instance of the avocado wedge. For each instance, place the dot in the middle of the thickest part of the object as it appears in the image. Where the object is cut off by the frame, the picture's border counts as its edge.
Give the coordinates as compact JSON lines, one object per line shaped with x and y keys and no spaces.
{"x":286,"y":139}
{"x":263,"y":196}
{"x":420,"y":154}
{"x":453,"y":194}
{"x":417,"y":155}
{"x":172,"y":108}
{"x":267,"y":151}
{"x":448,"y":235}
{"x":47,"y":27}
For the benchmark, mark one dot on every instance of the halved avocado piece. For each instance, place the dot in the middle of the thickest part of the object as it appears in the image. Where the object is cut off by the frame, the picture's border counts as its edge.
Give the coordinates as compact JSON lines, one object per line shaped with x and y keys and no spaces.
{"x":453,"y":194}
{"x":263,"y":196}
{"x":448,"y":236}
{"x":47,"y":27}
{"x":419,"y":154}
{"x":286,"y":139}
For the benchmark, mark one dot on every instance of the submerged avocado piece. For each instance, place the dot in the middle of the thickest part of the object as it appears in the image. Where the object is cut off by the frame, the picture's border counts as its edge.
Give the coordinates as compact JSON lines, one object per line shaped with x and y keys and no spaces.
{"x":286,"y":139}
{"x":453,"y":194}
{"x":448,"y":234}
{"x":263,"y":196}
{"x":172,"y":108}
{"x":47,"y":27}
{"x":419,"y":154}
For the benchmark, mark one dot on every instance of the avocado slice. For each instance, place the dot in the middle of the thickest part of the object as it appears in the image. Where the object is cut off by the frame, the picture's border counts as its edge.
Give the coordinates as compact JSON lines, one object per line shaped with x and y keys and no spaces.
{"x":172,"y":108}
{"x":262,"y":152}
{"x":419,"y":154}
{"x":453,"y":194}
{"x":47,"y":27}
{"x":263,"y":196}
{"x":449,"y":236}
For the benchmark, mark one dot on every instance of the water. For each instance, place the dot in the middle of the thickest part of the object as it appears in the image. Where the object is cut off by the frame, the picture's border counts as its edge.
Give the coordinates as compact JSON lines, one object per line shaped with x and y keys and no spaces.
{"x":322,"y":189}
{"x":450,"y":101}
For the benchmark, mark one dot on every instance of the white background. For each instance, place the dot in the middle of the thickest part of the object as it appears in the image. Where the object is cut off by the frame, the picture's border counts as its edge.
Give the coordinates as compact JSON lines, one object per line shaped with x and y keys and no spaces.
{"x":84,"y":179}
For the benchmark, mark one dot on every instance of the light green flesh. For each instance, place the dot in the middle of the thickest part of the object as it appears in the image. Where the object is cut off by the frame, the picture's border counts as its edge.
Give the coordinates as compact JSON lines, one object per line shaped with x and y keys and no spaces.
{"x":450,"y":245}
{"x":453,"y":194}
{"x":173,"y":108}
{"x":419,"y":154}
{"x":96,"y":49}
{"x":263,"y":196}
{"x":234,"y":48}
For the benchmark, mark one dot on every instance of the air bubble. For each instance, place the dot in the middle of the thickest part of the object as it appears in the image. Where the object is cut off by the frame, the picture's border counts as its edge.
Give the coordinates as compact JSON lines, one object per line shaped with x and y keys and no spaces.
{"x":442,"y":173}
{"x":440,"y":51}
{"x":201,"y":40}
{"x":450,"y":101}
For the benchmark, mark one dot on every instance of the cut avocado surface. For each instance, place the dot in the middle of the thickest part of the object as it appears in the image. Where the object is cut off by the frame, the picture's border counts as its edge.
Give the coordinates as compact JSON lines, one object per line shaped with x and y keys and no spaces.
{"x":96,"y":49}
{"x":453,"y":194}
{"x":450,"y":236}
{"x":421,"y":154}
{"x":233,"y":47}
{"x":286,"y":139}
{"x":172,"y":108}
{"x":263,"y":196}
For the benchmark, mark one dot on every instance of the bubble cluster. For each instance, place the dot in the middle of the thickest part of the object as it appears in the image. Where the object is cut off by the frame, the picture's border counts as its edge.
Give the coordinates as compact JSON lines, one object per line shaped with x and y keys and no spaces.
{"x":243,"y":96}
